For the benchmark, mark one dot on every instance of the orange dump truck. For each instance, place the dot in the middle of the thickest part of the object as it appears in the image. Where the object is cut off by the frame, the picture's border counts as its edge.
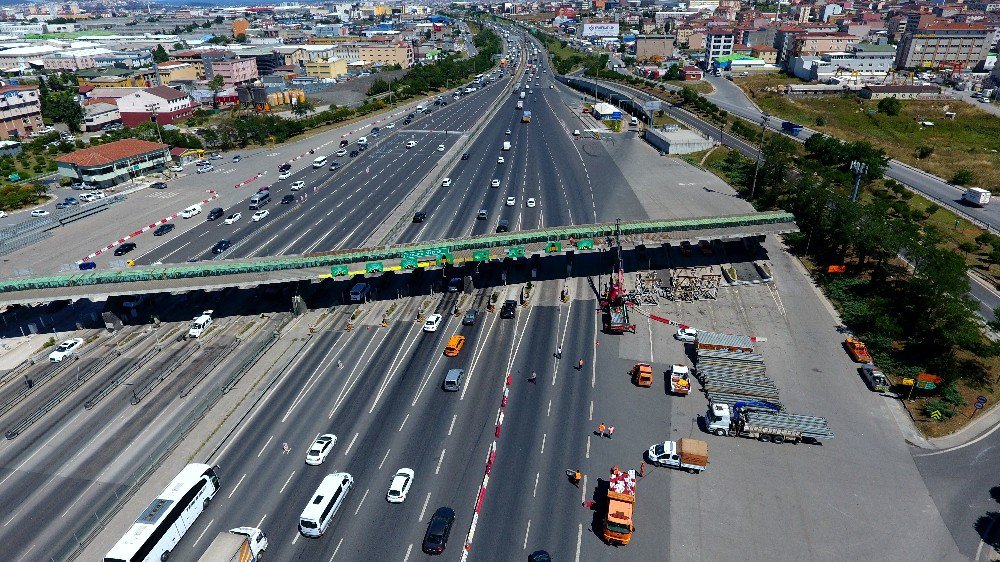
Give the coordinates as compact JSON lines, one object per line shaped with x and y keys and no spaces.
{"x":642,"y":374}
{"x":857,"y":350}
{"x":618,"y":525}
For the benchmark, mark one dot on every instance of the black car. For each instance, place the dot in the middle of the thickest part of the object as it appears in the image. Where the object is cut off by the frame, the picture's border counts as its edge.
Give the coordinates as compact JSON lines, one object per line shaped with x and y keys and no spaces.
{"x":221,"y":246}
{"x":436,"y":537}
{"x":375,"y":131}
{"x":215,"y":213}
{"x":344,"y":142}
{"x":288,"y":199}
{"x":470,"y":317}
{"x":503,"y":225}
{"x":407,"y":121}
{"x":410,"y":116}
{"x":353,"y":153}
{"x":539,"y":556}
{"x":335,"y":166}
{"x":158,"y":185}
{"x":508,"y":308}
{"x":419,"y":216}
{"x":465,"y":156}
{"x":284,"y":167}
{"x":454,"y":284}
{"x":124,"y":248}
{"x":163,"y":229}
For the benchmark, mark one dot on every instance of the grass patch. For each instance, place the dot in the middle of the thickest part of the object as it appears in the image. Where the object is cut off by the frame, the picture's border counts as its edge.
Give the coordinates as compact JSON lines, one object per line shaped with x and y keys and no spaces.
{"x":48,"y":343}
{"x":764,"y":84}
{"x":970,"y":141}
{"x":700,"y":86}
{"x":663,"y":119}
{"x":964,"y":412}
{"x":613,"y":124}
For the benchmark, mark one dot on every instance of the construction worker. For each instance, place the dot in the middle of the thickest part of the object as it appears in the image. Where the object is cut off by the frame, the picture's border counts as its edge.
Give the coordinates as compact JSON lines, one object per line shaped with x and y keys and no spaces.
{"x":581,"y":364}
{"x":600,"y":429}
{"x":559,"y":352}
{"x":576,"y":478}
{"x":611,"y":431}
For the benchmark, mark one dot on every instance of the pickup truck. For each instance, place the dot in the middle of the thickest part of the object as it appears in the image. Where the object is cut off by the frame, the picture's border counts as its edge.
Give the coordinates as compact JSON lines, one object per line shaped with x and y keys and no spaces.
{"x":689,"y":454}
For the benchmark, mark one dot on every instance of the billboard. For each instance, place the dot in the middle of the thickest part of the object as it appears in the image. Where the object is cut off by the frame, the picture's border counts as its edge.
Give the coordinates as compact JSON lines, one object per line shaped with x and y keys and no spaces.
{"x":599,"y":30}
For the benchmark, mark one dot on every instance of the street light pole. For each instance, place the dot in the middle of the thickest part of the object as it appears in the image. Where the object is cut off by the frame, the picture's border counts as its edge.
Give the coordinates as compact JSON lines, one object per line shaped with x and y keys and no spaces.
{"x":760,"y":148}
{"x":859,"y":169}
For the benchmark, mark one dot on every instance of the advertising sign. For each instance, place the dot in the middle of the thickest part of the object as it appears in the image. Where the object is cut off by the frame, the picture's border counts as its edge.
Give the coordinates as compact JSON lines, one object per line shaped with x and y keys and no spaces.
{"x":599,"y":30}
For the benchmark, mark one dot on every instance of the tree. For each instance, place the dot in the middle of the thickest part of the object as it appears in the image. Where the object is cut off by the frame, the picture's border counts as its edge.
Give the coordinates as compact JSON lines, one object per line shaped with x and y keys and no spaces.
{"x":215,"y":85}
{"x":178,"y":46}
{"x":890,"y":106}
{"x":240,"y":38}
{"x":160,"y":54}
{"x":673,"y":72}
{"x":303,"y":108}
{"x":63,"y":108}
{"x":967,"y":247}
{"x":962,"y":176}
{"x":924,"y":151}
{"x":218,"y":20}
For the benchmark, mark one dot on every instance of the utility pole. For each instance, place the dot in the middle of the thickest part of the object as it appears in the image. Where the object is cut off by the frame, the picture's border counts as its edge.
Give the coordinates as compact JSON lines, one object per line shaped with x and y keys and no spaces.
{"x":760,"y":148}
{"x":859,"y":169}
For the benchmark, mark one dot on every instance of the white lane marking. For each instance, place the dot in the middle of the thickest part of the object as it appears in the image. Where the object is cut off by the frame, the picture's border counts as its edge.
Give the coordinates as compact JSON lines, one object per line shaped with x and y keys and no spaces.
{"x":475,"y":360}
{"x":310,"y":382}
{"x":383,"y":459}
{"x":452,"y":426}
{"x":583,"y":490}
{"x":397,"y":361}
{"x":526,"y":532}
{"x":548,"y":411}
{"x":236,"y":487}
{"x":591,"y":417}
{"x":260,"y":524}
{"x":205,"y":530}
{"x":579,"y":539}
{"x":533,"y":490}
{"x":957,"y":447}
{"x":440,"y":460}
{"x":43,"y":447}
{"x":362,"y":501}
{"x":340,"y":542}
{"x":424,"y":509}
{"x":285,"y":484}
{"x":352,"y":379}
{"x":402,"y":424}
{"x":408,"y":549}
{"x":353,"y":439}
{"x":542,"y":451}
{"x":265,"y":446}
{"x":588,"y":447}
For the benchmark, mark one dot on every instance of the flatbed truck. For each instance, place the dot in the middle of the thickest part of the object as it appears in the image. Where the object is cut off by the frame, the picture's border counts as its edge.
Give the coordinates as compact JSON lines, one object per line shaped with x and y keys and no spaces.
{"x":618,"y":523}
{"x":765,"y":422}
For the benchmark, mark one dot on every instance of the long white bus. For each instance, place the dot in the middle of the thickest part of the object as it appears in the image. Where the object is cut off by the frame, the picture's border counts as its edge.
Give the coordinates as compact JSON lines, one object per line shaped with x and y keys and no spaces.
{"x":160,"y":527}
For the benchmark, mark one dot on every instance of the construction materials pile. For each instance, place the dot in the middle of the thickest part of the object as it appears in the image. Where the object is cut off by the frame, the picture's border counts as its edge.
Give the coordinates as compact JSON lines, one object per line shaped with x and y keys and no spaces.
{"x":690,"y":284}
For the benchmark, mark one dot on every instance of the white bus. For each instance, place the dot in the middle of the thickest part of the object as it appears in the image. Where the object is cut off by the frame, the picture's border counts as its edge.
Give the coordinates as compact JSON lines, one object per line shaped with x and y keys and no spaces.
{"x":164,"y":522}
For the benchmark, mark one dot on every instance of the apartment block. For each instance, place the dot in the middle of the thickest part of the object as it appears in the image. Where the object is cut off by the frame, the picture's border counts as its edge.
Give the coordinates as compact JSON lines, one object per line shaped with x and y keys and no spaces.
{"x":937,"y":43}
{"x":20,"y":111}
{"x":235,"y":72}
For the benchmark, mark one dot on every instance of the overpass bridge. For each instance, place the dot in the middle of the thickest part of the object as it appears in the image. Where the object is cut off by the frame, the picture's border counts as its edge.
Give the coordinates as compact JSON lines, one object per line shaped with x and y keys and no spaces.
{"x":213,"y":275}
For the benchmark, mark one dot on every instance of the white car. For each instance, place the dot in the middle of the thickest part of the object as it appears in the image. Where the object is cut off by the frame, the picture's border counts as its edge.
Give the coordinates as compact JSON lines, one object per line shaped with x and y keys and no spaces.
{"x":411,"y":144}
{"x":39,"y":213}
{"x":400,"y":486}
{"x":551,"y":86}
{"x":298,"y":185}
{"x":260,"y":215}
{"x":507,"y":132}
{"x":320,"y":449}
{"x":686,"y":334}
{"x":495,"y":183}
{"x":285,"y":175}
{"x":530,"y":202}
{"x":432,"y":323}
{"x":440,"y":148}
{"x":500,"y":160}
{"x":390,"y":125}
{"x":511,"y":201}
{"x":576,"y":132}
{"x":65,"y":349}
{"x":205,"y":169}
{"x":233,"y":218}
{"x":4,"y":214}
{"x":341,"y":152}
{"x":176,"y":169}
{"x":446,"y":182}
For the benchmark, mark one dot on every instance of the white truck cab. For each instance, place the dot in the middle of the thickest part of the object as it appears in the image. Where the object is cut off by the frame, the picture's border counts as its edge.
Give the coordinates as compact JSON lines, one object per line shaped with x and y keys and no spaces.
{"x":200,"y":324}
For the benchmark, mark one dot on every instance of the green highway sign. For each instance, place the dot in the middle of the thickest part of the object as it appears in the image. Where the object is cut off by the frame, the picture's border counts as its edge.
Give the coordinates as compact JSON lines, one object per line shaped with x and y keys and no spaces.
{"x":425,"y":253}
{"x":339,"y":270}
{"x":373,"y":267}
{"x":585,"y":245}
{"x":515,"y":252}
{"x":408,"y":263}
{"x":481,"y":255}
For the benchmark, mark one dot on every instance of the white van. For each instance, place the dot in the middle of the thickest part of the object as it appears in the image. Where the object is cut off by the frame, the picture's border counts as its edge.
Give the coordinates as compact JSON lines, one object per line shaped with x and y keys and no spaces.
{"x":323,"y":505}
{"x":200,"y":324}
{"x":319,"y":162}
{"x":634,"y":121}
{"x":190,"y":211}
{"x":363,"y":141}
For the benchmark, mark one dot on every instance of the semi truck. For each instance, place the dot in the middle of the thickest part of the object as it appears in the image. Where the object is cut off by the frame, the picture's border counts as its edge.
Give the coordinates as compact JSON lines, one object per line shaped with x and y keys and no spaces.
{"x":766,"y":422}
{"x":791,"y":128}
{"x":977,"y":196}
{"x":688,"y":454}
{"x":618,"y":524}
{"x":242,"y":544}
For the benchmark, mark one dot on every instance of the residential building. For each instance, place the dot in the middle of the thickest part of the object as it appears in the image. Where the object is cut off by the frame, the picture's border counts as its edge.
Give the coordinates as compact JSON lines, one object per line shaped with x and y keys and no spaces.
{"x":765,"y":53}
{"x":654,"y":47}
{"x":17,"y":58}
{"x":719,"y":42}
{"x":934,"y":44}
{"x":98,"y":114}
{"x":816,"y":44}
{"x":330,"y":68}
{"x":139,"y":105}
{"x":267,"y":59}
{"x":236,"y":71}
{"x":113,"y":163}
{"x":691,"y":73}
{"x":74,"y":60}
{"x":387,"y":55}
{"x":174,"y":71}
{"x":20,"y":111}
{"x":903,"y":92}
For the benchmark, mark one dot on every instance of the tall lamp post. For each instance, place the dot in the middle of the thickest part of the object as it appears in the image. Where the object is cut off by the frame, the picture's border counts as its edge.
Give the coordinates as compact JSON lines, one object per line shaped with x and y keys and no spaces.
{"x":760,"y":148}
{"x":859,"y":169}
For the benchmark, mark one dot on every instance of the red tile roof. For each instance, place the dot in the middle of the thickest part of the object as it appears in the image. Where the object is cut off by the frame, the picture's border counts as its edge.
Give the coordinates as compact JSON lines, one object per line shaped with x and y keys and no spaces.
{"x":111,"y":152}
{"x":165,"y":92}
{"x":5,"y":89}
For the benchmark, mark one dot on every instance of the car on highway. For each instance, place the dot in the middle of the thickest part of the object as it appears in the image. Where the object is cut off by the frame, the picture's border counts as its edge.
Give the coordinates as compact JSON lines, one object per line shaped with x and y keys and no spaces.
{"x":508,"y":308}
{"x":436,"y":537}
{"x":124,"y":248}
{"x":376,"y":131}
{"x":455,"y":284}
{"x":432,"y":323}
{"x":65,"y":349}
{"x":576,"y":132}
{"x":411,"y":144}
{"x":686,"y":334}
{"x":344,"y":142}
{"x":419,"y":216}
{"x":233,"y":218}
{"x":465,"y":156}
{"x":507,"y":132}
{"x":284,"y":167}
{"x":237,"y":158}
{"x":500,"y":160}
{"x":215,"y":156}
{"x":221,"y":246}
{"x":455,"y":345}
{"x":158,"y":185}
{"x":215,"y":213}
{"x":298,"y":185}
{"x":260,"y":215}
{"x":440,"y":148}
{"x":391,"y":125}
{"x":176,"y":168}
{"x":39,"y":213}
{"x":400,"y":486}
{"x":407,"y":121}
{"x":285,"y":175}
{"x":320,"y":449}
{"x":539,"y":556}
{"x":511,"y":201}
{"x":482,"y":214}
{"x":204,"y":169}
{"x":335,"y":166}
{"x":163,"y":229}
{"x":470,"y":317}
{"x":503,"y":225}
{"x":340,"y":153}
{"x":530,"y":203}
{"x":551,"y":87}
{"x":353,"y":154}
{"x":446,"y":182}
{"x":289,"y":198}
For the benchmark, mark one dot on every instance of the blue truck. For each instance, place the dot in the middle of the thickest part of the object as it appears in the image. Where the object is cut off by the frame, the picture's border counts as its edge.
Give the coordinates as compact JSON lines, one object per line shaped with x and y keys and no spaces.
{"x":791,"y":128}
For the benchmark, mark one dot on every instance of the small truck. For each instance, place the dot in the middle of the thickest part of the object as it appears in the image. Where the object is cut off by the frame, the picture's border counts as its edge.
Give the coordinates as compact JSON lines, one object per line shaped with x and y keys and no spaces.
{"x":642,"y":374}
{"x":242,"y":544}
{"x":857,"y":350}
{"x":874,"y":378}
{"x":680,"y":382}
{"x":688,"y":454}
{"x":618,"y":523}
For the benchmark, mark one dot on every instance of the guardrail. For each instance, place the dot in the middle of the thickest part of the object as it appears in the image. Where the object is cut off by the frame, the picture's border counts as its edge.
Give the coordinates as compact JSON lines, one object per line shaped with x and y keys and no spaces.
{"x":250,"y":361}
{"x":124,"y":376}
{"x":36,"y":383}
{"x":155,"y":380}
{"x":26,"y":232}
{"x":347,"y":257}
{"x":215,"y":363}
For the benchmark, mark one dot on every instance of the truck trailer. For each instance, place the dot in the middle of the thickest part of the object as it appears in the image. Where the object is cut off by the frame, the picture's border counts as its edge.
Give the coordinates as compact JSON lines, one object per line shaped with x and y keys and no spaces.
{"x":765,"y":422}
{"x":242,"y":544}
{"x":977,"y":196}
{"x":618,"y":524}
